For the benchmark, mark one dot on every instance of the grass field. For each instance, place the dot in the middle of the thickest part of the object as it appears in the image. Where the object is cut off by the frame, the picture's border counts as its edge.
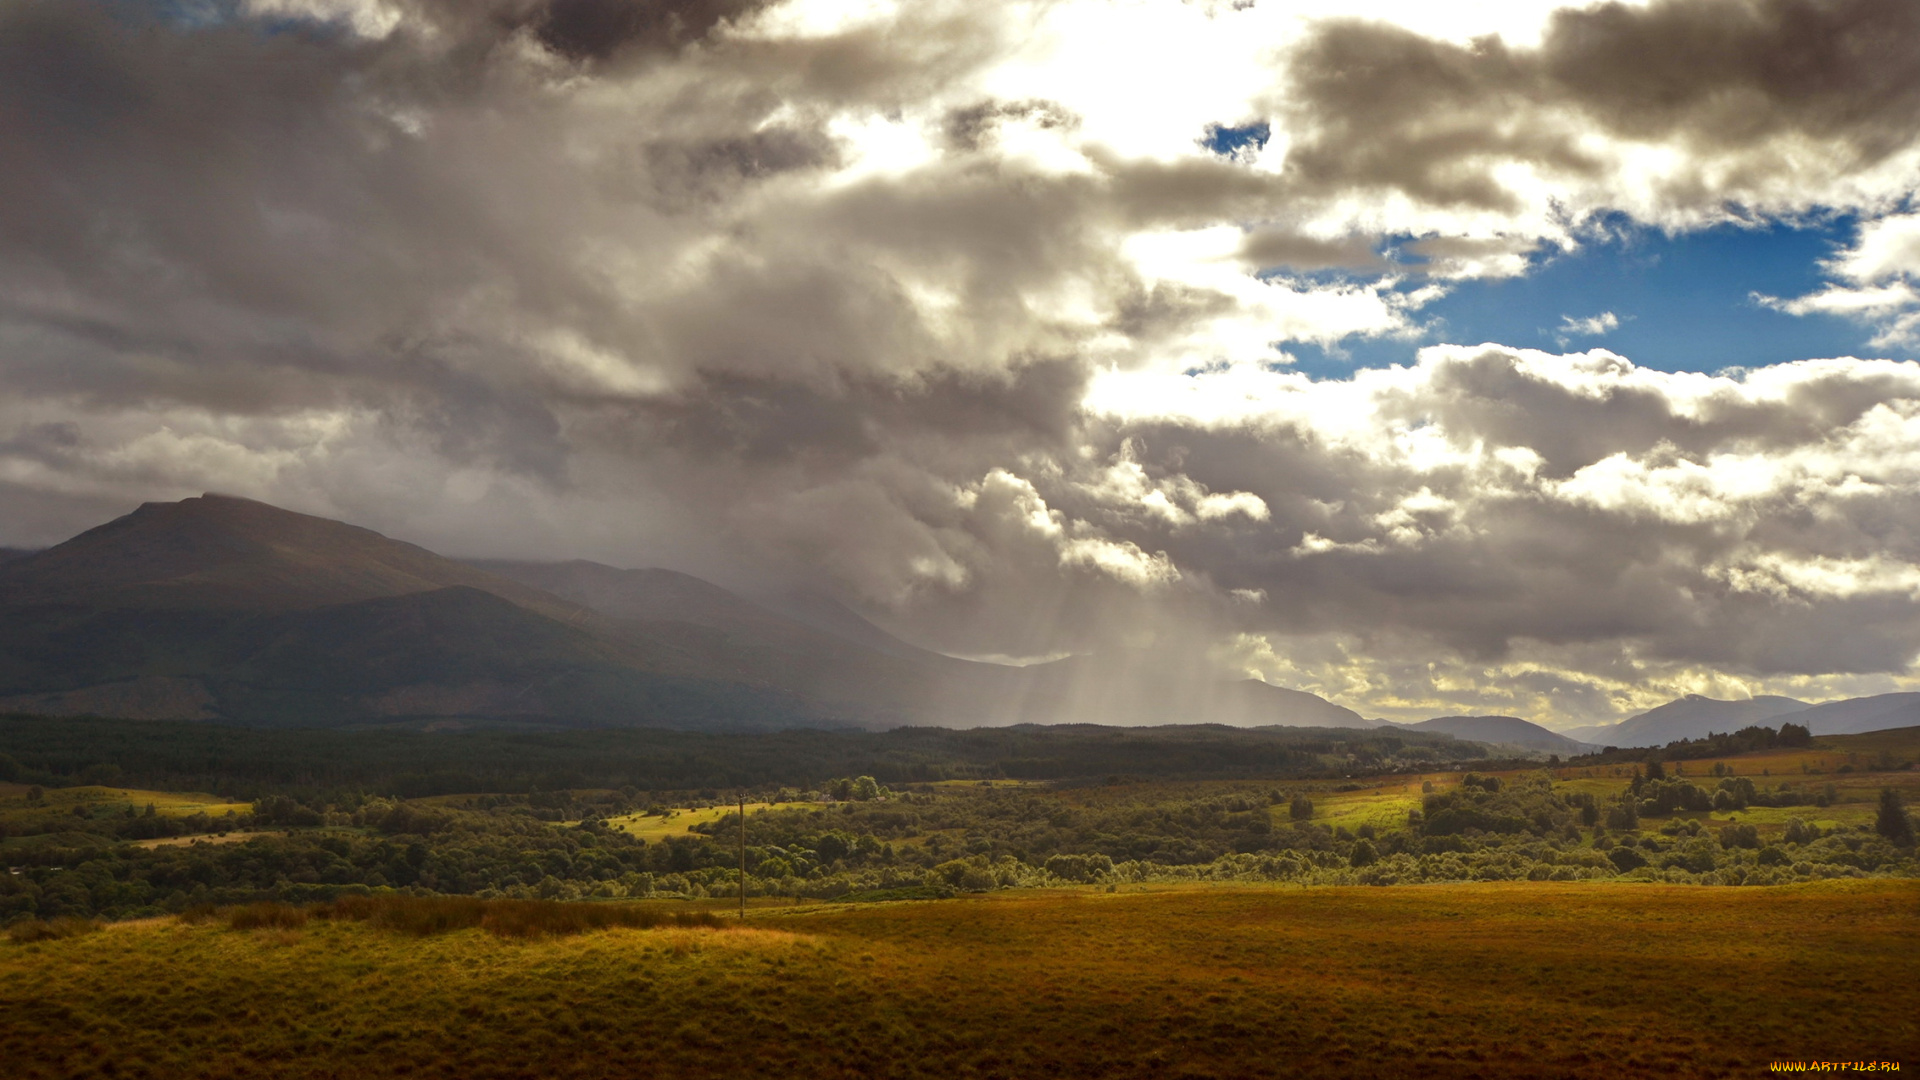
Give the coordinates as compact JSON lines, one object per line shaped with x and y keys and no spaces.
{"x":1522,"y":979}
{"x":14,"y":801}
{"x":676,"y":822}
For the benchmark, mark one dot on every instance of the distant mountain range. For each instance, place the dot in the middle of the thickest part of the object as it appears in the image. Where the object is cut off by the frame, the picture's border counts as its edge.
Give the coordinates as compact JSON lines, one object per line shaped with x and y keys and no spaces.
{"x":1695,"y":717}
{"x":229,"y":609}
{"x":1501,"y":729}
{"x":225,"y":608}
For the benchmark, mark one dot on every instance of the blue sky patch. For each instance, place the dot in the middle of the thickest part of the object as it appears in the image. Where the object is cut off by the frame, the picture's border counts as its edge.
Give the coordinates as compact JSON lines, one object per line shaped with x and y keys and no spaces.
{"x":1678,"y":303}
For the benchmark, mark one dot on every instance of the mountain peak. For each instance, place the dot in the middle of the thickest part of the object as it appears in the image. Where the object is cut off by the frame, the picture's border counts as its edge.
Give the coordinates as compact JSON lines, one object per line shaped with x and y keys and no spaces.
{"x":222,"y":551}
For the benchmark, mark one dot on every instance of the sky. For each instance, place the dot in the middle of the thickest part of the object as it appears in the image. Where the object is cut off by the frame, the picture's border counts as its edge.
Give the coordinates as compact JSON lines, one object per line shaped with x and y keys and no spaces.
{"x":1513,"y":358}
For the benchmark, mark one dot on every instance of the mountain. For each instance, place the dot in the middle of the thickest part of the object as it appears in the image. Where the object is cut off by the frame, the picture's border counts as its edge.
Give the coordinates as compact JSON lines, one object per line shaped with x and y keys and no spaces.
{"x":221,"y":553}
{"x":8,"y":554}
{"x":1500,"y":729}
{"x":822,"y":650}
{"x":1136,"y":687}
{"x":224,"y":608}
{"x":1855,"y":715}
{"x":873,"y":686}
{"x":1690,"y":717}
{"x":831,"y":616}
{"x":228,"y":609}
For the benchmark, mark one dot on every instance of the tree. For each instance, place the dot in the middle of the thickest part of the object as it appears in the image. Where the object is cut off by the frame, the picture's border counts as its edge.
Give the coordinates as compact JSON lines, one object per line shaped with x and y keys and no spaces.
{"x":1363,"y":854}
{"x":1301,"y":809}
{"x":1893,"y":822}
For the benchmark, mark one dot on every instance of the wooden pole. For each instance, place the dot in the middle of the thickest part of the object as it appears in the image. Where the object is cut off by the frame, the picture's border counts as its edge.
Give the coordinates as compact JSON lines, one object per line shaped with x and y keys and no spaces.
{"x":743,"y":856}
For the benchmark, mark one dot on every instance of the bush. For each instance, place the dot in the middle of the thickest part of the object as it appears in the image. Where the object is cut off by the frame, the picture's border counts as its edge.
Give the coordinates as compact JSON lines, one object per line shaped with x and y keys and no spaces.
{"x":1625,"y":859}
{"x":1301,"y":809}
{"x":1739,"y":836}
{"x":1892,"y":821}
{"x":269,"y":916}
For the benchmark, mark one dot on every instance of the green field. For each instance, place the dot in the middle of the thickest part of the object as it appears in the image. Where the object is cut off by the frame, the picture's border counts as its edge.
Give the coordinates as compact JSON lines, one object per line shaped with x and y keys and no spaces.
{"x":676,"y":822}
{"x":1499,"y":980}
{"x":15,"y":803}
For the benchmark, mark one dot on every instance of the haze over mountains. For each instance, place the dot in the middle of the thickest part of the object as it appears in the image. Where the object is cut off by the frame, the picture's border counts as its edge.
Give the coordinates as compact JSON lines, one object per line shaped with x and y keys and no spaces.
{"x":1501,"y":729}
{"x":225,"y":608}
{"x":1694,"y":717}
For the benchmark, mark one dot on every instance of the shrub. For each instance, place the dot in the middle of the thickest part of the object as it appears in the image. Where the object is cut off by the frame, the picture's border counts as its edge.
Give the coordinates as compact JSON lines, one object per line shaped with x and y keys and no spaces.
{"x":267,"y":916}
{"x":1625,"y":859}
{"x":1892,"y":821}
{"x":1301,"y":808}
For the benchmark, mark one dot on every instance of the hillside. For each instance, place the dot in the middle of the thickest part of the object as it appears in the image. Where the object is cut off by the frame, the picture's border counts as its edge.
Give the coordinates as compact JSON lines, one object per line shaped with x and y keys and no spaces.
{"x":1856,"y":715}
{"x":1500,"y":729}
{"x":220,"y":552}
{"x":1690,"y":717}
{"x":1136,"y":687}
{"x":223,"y":608}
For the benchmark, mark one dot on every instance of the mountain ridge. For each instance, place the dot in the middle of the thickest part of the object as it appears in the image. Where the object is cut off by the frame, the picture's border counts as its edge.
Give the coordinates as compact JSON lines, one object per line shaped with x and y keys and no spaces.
{"x":224,"y":608}
{"x":1500,"y":729}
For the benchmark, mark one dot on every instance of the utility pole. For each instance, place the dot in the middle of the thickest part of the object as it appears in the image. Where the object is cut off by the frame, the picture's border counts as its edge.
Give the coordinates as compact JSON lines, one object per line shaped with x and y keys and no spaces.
{"x":743,"y":856}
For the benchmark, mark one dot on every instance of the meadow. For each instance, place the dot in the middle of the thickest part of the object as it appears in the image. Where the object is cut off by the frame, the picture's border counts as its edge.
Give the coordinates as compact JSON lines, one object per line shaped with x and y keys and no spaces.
{"x":1495,"y":980}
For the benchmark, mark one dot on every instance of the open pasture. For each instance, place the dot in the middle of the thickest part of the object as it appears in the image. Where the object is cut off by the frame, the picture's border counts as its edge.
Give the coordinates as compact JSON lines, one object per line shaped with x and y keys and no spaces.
{"x":1520,"y":979}
{"x":14,"y":801}
{"x":653,"y":828}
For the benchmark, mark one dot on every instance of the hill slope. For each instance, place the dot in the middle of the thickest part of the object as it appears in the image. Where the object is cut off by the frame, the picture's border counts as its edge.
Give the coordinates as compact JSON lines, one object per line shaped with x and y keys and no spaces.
{"x":1500,"y":729}
{"x":1690,"y":717}
{"x":223,"y":608}
{"x":1857,"y":715}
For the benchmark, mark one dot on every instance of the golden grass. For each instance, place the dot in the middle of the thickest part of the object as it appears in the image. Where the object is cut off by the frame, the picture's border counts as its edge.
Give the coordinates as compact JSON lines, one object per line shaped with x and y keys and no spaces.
{"x":678,"y":822}
{"x":13,"y":800}
{"x":187,"y":841}
{"x":1509,"y":980}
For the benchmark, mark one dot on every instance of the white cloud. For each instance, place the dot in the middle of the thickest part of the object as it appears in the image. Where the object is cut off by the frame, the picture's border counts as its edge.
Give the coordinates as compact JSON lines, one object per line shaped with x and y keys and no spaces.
{"x":1877,"y":282}
{"x":1591,"y":326}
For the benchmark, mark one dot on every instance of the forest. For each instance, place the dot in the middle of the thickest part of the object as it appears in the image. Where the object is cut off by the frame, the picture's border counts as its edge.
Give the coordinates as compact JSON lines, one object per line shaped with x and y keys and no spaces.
{"x":98,"y":850}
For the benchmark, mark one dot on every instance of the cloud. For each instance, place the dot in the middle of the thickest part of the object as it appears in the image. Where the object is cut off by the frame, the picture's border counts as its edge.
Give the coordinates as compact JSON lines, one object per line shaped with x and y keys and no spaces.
{"x":1591,"y":326}
{"x":1672,"y":110}
{"x":1877,"y":282}
{"x":947,"y":308}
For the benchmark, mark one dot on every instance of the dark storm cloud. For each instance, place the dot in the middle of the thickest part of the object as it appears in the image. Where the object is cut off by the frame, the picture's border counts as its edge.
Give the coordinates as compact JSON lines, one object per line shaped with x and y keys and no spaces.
{"x":667,"y":283}
{"x":1270,"y":247}
{"x":1380,"y":106}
